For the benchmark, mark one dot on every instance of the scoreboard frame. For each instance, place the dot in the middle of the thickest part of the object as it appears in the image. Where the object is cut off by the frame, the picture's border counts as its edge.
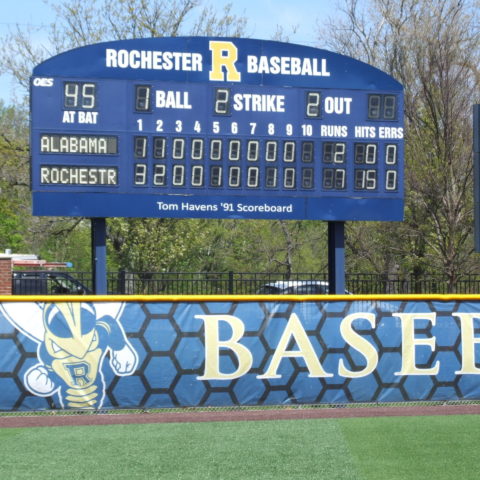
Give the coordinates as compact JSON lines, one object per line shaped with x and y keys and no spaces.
{"x":209,"y":127}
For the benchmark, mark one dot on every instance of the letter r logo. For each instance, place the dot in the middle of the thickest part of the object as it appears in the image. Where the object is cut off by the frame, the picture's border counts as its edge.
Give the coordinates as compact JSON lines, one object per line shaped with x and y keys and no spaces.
{"x":78,"y":373}
{"x":224,"y":55}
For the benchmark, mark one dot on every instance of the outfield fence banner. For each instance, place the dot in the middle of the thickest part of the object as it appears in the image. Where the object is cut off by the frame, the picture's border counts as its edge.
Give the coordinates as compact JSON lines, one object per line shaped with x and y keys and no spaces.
{"x":158,"y":352}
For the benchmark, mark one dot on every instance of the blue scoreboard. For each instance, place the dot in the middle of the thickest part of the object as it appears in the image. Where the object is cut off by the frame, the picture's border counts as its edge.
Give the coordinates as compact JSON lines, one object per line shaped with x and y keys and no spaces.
{"x":209,"y":127}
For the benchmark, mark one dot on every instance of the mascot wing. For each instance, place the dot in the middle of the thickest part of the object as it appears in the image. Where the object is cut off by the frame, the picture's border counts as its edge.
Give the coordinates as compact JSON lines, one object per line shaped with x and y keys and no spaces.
{"x":26,"y":317}
{"x":112,"y":309}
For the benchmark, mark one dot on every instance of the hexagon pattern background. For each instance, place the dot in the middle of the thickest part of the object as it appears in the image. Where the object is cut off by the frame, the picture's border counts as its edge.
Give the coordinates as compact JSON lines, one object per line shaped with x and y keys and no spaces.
{"x":169,"y":338}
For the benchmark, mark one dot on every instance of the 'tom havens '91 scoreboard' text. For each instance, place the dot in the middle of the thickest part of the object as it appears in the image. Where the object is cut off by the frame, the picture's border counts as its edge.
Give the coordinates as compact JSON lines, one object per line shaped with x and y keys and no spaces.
{"x":215,"y":127}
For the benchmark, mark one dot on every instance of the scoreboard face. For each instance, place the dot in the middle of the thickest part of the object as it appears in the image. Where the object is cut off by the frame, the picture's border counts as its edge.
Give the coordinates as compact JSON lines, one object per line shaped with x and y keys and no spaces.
{"x":215,"y":128}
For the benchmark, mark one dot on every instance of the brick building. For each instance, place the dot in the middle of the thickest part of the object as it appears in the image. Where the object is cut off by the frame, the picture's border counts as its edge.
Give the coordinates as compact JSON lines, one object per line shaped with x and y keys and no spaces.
{"x":5,"y":274}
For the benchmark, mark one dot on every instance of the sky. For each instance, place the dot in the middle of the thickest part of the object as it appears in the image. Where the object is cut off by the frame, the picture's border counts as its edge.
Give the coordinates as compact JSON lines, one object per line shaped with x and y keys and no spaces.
{"x":263,"y":17}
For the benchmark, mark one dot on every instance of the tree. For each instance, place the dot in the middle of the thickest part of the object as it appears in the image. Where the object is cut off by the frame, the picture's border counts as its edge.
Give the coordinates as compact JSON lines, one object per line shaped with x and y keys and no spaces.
{"x":263,"y":246}
{"x":13,"y":178}
{"x":160,"y":244}
{"x":80,"y":23}
{"x":150,"y":244}
{"x":432,"y":48}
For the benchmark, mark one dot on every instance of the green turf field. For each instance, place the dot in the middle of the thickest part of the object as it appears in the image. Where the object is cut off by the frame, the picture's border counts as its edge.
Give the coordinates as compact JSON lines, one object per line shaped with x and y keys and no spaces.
{"x":427,"y":448}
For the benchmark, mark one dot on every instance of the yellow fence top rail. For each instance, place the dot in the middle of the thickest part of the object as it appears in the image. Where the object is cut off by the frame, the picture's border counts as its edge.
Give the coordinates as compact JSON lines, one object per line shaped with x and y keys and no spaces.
{"x":239,"y":298}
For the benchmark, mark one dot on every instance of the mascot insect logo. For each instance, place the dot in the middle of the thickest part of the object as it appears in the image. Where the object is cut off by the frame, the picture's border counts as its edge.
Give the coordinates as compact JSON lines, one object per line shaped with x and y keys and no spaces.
{"x":73,"y":339}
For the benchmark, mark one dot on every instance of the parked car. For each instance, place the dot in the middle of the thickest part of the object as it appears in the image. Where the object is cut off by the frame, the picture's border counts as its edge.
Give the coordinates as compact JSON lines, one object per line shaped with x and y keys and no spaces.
{"x":44,"y":282}
{"x":296,"y":287}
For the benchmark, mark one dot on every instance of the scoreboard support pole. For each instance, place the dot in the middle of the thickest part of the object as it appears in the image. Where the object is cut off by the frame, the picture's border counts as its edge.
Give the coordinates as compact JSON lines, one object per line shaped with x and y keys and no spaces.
{"x":336,"y":257}
{"x":99,"y":255}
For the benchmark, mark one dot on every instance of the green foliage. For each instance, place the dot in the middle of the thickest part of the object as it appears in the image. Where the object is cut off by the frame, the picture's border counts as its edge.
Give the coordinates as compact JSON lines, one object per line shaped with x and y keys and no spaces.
{"x":10,"y":227}
{"x":153,"y":245}
{"x":68,"y":241}
{"x":261,"y":246}
{"x":13,"y":178}
{"x":191,"y":245}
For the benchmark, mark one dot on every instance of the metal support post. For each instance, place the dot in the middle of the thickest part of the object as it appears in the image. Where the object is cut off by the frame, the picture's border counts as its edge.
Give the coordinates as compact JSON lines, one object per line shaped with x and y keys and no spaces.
{"x":99,"y":255}
{"x":336,"y":257}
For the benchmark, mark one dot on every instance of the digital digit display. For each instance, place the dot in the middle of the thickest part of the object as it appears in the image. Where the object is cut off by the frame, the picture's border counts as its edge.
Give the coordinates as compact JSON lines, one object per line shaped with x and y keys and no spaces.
{"x":79,"y":95}
{"x":215,"y":128}
{"x":142,"y":98}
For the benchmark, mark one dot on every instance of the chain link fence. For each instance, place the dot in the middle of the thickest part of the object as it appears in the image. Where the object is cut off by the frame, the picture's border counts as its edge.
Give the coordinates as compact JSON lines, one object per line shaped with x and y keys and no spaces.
{"x":238,"y":408}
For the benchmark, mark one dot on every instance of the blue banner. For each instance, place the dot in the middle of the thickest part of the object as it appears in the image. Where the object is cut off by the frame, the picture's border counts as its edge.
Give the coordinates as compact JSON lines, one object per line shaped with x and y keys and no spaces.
{"x":183,"y":352}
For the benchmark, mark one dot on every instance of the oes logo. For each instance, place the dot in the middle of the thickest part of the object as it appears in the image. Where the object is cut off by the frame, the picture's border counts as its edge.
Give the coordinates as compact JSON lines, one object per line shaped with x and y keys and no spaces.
{"x":43,"y":82}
